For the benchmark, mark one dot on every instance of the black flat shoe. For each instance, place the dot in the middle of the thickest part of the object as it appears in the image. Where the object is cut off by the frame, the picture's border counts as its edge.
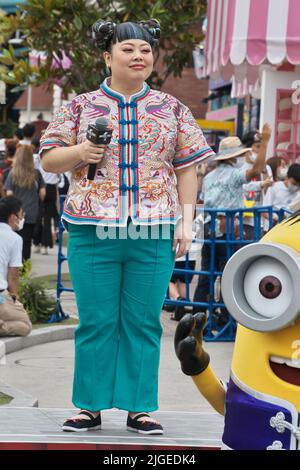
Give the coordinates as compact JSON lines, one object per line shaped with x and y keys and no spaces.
{"x":169,"y":307}
{"x":143,"y":426}
{"x":179,"y":312}
{"x":80,"y":425}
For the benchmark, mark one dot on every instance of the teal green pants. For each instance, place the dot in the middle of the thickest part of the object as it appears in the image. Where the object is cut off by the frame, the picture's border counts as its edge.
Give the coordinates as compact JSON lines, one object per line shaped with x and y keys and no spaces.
{"x":120,"y":285}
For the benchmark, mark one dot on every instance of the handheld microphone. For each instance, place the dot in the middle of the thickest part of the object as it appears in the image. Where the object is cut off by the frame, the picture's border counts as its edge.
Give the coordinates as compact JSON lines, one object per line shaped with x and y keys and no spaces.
{"x":100,"y":134}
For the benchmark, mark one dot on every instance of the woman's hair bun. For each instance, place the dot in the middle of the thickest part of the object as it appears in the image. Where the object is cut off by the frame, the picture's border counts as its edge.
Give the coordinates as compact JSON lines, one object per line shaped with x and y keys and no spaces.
{"x":102,"y":32}
{"x":153,"y":28}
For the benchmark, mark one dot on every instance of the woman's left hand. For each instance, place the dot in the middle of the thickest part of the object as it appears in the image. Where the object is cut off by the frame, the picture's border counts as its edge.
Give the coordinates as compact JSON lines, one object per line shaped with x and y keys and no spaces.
{"x":182,"y":239}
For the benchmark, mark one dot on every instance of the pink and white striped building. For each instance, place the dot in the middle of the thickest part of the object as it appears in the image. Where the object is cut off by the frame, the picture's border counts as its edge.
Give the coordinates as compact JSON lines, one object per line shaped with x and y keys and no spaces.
{"x":256,"y":43}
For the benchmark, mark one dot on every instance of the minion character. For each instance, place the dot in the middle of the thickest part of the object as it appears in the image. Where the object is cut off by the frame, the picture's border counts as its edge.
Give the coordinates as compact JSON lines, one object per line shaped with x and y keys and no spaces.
{"x":261,"y":289}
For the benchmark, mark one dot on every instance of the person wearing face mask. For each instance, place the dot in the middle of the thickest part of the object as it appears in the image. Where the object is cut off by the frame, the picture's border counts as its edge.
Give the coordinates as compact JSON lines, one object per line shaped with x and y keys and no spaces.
{"x":257,"y":187}
{"x":265,"y":179}
{"x":14,"y":320}
{"x":282,"y":173}
{"x":27,"y":184}
{"x":283,"y":193}
{"x":223,"y":188}
{"x":278,"y":167}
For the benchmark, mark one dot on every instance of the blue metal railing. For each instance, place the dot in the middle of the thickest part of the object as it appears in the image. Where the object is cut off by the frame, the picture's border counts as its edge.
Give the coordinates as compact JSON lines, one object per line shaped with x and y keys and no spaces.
{"x":59,"y":314}
{"x":236,"y":220}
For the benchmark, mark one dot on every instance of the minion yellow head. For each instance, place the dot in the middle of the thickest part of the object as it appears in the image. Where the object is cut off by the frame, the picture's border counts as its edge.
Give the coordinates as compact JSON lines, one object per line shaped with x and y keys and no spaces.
{"x":261,"y":289}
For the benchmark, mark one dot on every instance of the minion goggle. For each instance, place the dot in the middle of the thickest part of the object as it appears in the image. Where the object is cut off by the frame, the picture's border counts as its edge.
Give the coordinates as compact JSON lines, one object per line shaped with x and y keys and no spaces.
{"x":261,"y":286}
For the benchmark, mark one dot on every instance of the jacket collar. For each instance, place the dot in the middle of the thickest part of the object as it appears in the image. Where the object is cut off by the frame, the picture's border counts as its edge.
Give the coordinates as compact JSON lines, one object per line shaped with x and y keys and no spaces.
{"x":105,"y":87}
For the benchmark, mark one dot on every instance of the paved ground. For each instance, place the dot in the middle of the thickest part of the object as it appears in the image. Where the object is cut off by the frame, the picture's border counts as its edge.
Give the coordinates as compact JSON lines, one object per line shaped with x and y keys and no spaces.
{"x":42,"y":265}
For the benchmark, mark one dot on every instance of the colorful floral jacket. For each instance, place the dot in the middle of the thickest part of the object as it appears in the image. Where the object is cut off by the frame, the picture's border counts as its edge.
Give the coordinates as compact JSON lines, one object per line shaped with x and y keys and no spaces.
{"x":153,"y":136}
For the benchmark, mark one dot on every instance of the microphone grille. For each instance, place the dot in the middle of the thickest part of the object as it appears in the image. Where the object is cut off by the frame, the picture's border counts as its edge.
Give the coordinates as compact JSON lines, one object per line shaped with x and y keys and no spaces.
{"x":101,"y":123}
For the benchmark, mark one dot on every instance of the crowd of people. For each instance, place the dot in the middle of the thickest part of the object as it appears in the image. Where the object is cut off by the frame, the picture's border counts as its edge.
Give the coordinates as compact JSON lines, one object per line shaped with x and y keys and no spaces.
{"x":29,"y":214}
{"x":23,"y":177}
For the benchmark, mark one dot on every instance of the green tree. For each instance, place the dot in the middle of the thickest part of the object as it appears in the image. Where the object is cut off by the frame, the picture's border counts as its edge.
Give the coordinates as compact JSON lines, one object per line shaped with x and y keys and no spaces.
{"x":53,"y":26}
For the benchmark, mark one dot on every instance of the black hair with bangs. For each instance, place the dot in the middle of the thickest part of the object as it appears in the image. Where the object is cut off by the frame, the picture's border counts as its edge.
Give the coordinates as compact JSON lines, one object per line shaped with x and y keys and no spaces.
{"x":107,"y":33}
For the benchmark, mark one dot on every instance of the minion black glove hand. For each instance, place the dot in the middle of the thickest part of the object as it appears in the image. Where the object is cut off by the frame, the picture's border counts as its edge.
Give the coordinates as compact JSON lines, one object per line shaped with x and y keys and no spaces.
{"x":188,"y":344}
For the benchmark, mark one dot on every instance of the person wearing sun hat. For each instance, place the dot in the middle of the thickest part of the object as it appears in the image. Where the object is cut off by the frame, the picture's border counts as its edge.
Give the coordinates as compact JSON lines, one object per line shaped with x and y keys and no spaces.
{"x":230,"y":148}
{"x":223,"y":189}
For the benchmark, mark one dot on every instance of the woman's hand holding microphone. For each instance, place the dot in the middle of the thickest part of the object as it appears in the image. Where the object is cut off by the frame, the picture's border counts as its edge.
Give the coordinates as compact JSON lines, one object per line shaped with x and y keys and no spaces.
{"x":90,"y":153}
{"x":92,"y":150}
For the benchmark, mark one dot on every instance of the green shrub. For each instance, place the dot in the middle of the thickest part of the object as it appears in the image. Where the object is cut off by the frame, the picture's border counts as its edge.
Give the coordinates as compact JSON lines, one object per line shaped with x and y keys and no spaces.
{"x":33,"y":295}
{"x":5,"y":399}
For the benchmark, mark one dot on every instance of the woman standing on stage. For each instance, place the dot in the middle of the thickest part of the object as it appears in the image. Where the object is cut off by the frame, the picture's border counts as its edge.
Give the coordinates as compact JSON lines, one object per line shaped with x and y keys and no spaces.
{"x":119,"y":255}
